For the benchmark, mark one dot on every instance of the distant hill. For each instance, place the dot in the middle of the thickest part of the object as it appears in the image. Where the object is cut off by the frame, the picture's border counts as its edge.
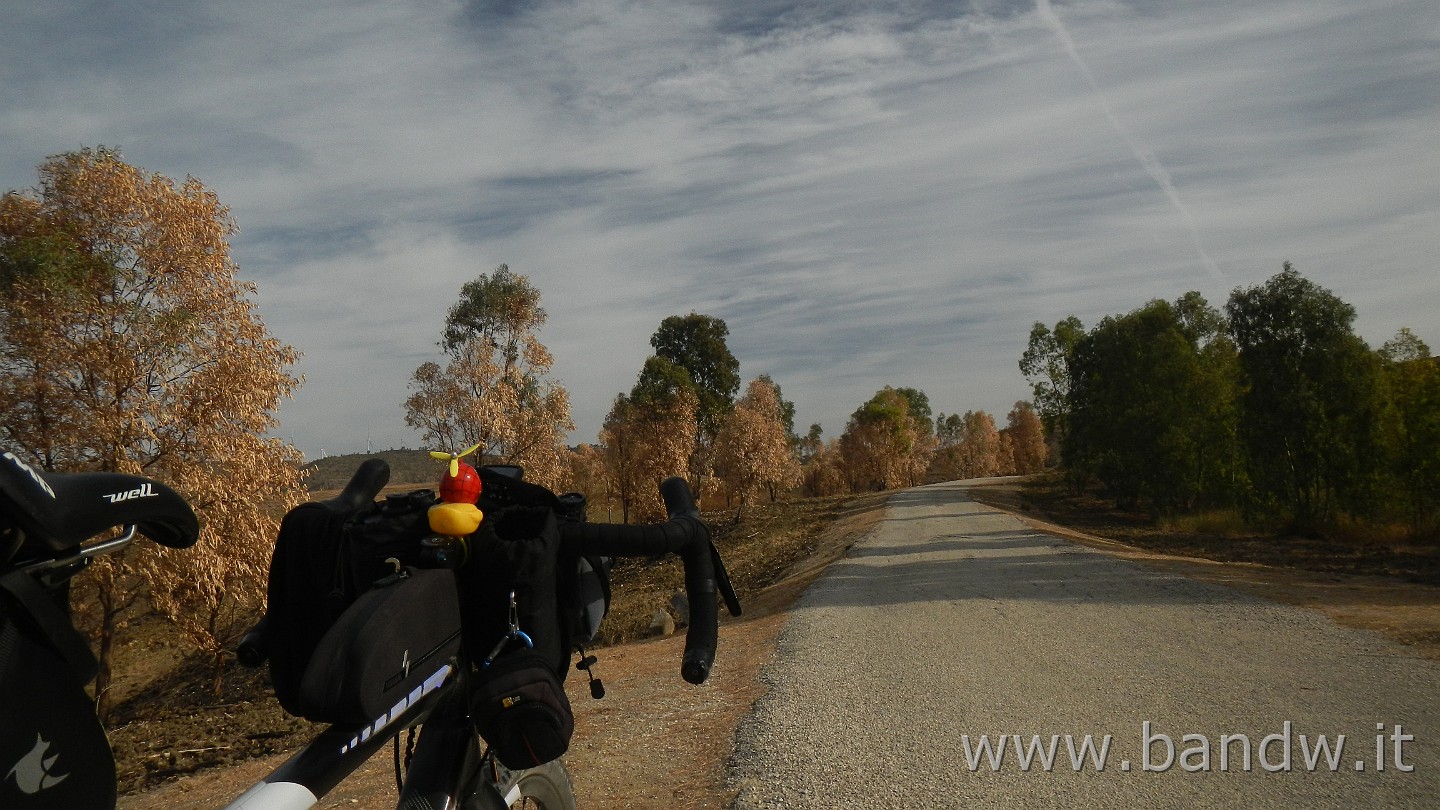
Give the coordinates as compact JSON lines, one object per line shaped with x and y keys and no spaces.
{"x":406,"y":467}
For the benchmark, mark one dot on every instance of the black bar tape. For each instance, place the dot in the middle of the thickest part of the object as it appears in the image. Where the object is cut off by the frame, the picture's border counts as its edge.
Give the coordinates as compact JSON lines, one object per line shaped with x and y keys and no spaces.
{"x":368,"y":479}
{"x":685,"y":535}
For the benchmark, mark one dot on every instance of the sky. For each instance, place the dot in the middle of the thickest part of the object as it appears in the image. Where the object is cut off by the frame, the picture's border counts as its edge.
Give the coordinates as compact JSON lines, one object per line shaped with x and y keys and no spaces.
{"x":868,"y":194}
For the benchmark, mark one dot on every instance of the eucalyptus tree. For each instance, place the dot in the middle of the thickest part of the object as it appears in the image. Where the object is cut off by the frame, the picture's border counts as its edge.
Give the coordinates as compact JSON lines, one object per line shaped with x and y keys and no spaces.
{"x":1148,"y":415}
{"x":691,"y":352}
{"x":129,"y":343}
{"x":494,"y":389}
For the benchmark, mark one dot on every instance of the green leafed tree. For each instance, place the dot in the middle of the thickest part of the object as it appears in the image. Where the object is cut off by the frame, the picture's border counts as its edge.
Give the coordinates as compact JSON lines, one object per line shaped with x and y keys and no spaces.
{"x":697,"y":344}
{"x":1046,"y":364}
{"x":1311,"y":407}
{"x":660,"y":381}
{"x":691,"y":350}
{"x":812,"y":443}
{"x":949,"y":429}
{"x":1145,"y":416}
{"x":1413,"y":380}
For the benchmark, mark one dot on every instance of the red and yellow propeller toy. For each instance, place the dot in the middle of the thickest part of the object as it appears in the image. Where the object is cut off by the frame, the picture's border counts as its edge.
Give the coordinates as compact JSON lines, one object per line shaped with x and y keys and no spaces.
{"x":456,"y":515}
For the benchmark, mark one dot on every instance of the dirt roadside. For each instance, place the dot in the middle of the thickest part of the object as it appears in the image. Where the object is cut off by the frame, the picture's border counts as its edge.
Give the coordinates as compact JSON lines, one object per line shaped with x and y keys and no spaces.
{"x":657,"y":742}
{"x":653,"y":742}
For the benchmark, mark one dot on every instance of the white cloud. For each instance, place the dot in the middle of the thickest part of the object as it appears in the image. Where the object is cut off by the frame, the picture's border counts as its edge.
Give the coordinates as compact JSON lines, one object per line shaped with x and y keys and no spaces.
{"x":868,"y":195}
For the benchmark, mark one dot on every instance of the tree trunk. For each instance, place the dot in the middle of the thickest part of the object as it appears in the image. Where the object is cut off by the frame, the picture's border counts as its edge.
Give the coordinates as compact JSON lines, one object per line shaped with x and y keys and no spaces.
{"x":105,"y":674}
{"x":217,"y":682}
{"x":217,"y":660}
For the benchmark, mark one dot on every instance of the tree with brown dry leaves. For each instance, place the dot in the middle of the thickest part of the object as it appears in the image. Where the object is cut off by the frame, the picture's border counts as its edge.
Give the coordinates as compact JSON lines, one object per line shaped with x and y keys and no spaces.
{"x":590,"y":477}
{"x":889,"y":441}
{"x":753,"y":453}
{"x":493,"y":389}
{"x":979,"y":452}
{"x":824,"y":469}
{"x":129,"y":344}
{"x":643,"y":443}
{"x":1027,"y":438}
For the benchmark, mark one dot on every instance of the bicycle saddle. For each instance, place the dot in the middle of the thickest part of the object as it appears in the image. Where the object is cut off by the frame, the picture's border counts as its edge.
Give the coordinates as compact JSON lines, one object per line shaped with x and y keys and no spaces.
{"x":57,"y":511}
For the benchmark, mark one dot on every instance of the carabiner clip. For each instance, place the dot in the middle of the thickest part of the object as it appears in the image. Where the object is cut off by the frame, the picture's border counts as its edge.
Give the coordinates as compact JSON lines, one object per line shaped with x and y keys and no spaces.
{"x":513,"y":634}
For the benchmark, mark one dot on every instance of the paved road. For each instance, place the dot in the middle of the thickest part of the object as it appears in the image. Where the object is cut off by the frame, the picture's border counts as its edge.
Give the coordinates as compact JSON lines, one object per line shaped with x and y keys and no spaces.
{"x":953,"y":620}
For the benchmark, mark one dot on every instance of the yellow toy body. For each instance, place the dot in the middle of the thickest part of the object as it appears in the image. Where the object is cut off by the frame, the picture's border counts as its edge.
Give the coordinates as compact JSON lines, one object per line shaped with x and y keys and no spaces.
{"x":455,"y":519}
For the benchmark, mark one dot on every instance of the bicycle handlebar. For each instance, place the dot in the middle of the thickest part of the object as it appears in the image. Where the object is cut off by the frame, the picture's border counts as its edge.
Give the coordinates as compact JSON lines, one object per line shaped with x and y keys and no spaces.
{"x":364,"y":486}
{"x":685,"y":535}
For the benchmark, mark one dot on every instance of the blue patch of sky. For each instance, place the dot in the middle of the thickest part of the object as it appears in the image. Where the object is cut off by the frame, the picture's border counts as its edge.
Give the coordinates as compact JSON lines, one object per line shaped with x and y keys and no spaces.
{"x":201,"y":145}
{"x":275,"y":250}
{"x":759,"y":18}
{"x":489,"y":16}
{"x":653,"y":206}
{"x":503,"y":206}
{"x":1344,"y":97}
{"x":477,"y":212}
{"x":81,"y":37}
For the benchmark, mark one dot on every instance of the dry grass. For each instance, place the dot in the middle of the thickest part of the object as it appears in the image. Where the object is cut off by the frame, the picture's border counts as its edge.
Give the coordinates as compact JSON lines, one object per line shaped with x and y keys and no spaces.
{"x":1219,"y":522}
{"x":1221,"y":536}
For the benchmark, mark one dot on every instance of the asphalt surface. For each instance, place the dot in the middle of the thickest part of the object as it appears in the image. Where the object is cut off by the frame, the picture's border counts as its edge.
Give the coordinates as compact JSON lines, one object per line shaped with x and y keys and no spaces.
{"x":953,"y":621}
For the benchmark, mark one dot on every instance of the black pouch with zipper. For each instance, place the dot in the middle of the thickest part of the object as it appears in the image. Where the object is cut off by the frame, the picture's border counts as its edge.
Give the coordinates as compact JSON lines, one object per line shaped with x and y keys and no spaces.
{"x":521,"y":711}
{"x":516,"y":551}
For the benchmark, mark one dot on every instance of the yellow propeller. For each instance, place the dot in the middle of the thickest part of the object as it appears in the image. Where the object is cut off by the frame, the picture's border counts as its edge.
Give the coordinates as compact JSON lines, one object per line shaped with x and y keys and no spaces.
{"x":453,"y":458}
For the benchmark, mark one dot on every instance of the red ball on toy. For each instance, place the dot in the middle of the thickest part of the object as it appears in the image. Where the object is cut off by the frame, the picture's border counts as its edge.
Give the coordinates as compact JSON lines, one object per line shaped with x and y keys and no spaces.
{"x":463,"y":487}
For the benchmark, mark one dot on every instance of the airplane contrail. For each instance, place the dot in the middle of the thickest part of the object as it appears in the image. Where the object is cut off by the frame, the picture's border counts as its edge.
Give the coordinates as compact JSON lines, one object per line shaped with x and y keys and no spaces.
{"x":1143,"y":154}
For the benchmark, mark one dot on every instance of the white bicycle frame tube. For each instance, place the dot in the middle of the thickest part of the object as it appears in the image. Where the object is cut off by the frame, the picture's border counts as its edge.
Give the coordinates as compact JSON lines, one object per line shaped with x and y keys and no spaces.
{"x":275,"y":796}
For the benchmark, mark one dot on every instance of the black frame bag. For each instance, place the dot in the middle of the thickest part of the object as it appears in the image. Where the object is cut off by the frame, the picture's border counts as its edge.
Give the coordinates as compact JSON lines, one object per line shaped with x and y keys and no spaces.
{"x":383,"y":649}
{"x":324,"y":560}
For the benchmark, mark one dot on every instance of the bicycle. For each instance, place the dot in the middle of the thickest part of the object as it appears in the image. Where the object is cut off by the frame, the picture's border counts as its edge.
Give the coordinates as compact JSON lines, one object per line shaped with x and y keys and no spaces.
{"x":451,"y":766}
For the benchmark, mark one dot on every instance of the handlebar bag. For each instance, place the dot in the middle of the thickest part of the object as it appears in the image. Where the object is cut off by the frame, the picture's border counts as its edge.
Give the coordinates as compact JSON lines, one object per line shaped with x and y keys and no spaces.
{"x":53,"y":751}
{"x":515,"y":551}
{"x":521,"y":711}
{"x":563,"y":595}
{"x":323,"y":561}
{"x":389,"y":643}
